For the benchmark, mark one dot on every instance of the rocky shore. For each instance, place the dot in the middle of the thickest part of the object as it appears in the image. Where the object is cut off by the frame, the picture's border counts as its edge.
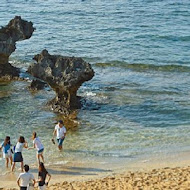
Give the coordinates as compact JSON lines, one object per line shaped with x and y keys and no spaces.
{"x":16,"y":30}
{"x":63,"y":74}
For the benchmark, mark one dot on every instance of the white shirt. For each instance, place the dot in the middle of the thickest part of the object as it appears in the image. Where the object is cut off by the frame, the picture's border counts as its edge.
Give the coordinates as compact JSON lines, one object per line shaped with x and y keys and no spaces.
{"x":38,"y":144}
{"x":60,"y":131}
{"x":25,"y":179}
{"x":19,"y":147}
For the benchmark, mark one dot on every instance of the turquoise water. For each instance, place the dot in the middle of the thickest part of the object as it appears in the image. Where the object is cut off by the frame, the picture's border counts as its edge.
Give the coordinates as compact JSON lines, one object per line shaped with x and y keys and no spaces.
{"x":138,"y":103}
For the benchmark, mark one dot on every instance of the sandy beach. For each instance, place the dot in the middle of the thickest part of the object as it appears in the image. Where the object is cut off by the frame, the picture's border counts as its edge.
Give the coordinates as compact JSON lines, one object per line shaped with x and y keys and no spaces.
{"x":165,"y":178}
{"x":169,"y":174}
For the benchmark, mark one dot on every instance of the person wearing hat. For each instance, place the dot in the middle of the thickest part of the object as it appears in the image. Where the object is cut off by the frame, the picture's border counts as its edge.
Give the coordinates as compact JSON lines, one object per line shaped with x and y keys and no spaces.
{"x":60,"y":131}
{"x":25,"y":178}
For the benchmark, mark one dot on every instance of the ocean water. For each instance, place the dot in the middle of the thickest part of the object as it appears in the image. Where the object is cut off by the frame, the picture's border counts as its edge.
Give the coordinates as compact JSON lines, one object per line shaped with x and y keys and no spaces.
{"x":138,"y":103}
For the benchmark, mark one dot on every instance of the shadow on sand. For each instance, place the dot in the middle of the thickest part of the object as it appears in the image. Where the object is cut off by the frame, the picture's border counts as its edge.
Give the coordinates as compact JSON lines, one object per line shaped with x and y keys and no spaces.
{"x":76,"y":171}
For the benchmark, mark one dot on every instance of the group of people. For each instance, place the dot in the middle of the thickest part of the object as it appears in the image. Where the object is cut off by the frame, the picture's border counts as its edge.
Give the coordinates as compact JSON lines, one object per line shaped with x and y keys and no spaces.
{"x":26,"y":179}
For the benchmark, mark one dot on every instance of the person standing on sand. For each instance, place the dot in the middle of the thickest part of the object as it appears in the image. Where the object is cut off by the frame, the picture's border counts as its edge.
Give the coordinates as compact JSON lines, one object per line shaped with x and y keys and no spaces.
{"x":18,"y":152}
{"x":60,"y":130}
{"x":24,"y":179}
{"x":42,"y":173}
{"x":6,"y":148}
{"x":38,"y":145}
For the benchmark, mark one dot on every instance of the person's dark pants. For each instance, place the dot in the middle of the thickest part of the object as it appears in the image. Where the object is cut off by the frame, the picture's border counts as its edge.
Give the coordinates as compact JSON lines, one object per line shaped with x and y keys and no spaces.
{"x":23,"y":188}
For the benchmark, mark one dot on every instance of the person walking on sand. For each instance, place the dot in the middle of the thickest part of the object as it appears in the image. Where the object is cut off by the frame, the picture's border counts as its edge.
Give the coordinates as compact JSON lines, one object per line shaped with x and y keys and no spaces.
{"x":42,"y":173}
{"x":60,"y":130}
{"x":6,"y":148}
{"x":25,"y":178}
{"x":18,"y":152}
{"x":38,"y":145}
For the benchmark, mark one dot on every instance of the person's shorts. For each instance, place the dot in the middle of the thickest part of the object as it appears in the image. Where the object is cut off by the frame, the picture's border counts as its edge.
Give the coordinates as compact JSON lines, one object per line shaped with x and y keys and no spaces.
{"x":23,"y":188}
{"x":7,"y":155}
{"x":41,"y":151}
{"x":60,"y":141}
{"x":17,"y":157}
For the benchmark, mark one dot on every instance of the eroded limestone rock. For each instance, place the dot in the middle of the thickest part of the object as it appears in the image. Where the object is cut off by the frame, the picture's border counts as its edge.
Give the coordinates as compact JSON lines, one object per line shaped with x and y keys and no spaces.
{"x":65,"y":75}
{"x":16,"y":30}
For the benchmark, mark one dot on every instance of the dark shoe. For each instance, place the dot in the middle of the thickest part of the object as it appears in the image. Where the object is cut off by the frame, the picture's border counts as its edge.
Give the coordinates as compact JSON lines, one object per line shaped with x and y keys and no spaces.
{"x":53,"y":141}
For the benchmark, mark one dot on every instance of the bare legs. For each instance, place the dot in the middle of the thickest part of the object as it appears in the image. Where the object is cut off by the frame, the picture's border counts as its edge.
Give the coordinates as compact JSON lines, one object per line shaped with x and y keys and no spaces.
{"x":42,"y":157}
{"x":11,"y":159}
{"x":60,"y":142}
{"x":13,"y":166}
{"x":38,"y":156}
{"x":7,"y":161}
{"x":60,"y":147}
{"x":21,"y":165}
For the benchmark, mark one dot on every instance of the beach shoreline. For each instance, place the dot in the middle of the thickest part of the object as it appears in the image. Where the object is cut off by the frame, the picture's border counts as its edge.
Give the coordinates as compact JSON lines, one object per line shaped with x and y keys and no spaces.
{"x":154,"y":174}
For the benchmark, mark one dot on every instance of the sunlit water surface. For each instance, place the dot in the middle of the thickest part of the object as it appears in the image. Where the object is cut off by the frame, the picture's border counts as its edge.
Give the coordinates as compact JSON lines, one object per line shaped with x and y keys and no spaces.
{"x":138,"y":103}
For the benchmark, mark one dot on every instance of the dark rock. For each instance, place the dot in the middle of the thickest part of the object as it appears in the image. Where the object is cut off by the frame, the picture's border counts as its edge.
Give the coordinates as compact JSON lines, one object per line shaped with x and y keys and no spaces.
{"x":7,"y":71}
{"x":37,"y":85}
{"x":16,"y":30}
{"x":65,"y":75}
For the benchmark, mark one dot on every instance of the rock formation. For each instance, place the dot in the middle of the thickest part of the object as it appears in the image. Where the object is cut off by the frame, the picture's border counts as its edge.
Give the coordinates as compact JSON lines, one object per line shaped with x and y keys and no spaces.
{"x":65,"y":75}
{"x":16,"y":30}
{"x":36,"y":85}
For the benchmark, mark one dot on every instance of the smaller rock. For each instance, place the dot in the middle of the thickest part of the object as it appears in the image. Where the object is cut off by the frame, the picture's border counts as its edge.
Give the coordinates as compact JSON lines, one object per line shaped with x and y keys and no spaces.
{"x":37,"y":85}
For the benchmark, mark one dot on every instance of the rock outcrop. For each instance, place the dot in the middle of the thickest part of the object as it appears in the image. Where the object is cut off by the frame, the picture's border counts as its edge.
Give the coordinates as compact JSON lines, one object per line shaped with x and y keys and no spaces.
{"x":65,"y":75}
{"x":16,"y":30}
{"x":37,"y":85}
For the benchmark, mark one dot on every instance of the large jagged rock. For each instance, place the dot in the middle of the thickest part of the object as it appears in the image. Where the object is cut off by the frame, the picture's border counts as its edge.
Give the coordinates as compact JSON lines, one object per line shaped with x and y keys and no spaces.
{"x":16,"y":30}
{"x":65,"y":75}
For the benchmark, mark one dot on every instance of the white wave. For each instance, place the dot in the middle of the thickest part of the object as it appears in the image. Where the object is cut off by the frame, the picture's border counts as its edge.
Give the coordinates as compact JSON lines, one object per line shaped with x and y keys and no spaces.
{"x":61,"y":162}
{"x":90,"y":94}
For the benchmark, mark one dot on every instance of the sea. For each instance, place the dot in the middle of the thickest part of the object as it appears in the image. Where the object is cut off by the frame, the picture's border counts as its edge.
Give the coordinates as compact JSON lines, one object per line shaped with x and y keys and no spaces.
{"x":137,"y":106}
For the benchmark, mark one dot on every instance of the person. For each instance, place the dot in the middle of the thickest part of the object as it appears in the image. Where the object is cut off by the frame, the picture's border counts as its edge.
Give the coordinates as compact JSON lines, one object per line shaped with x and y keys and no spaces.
{"x":60,"y":130}
{"x":6,"y":148}
{"x":39,"y":146}
{"x":42,"y":174}
{"x":18,"y":152}
{"x":25,"y":178}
